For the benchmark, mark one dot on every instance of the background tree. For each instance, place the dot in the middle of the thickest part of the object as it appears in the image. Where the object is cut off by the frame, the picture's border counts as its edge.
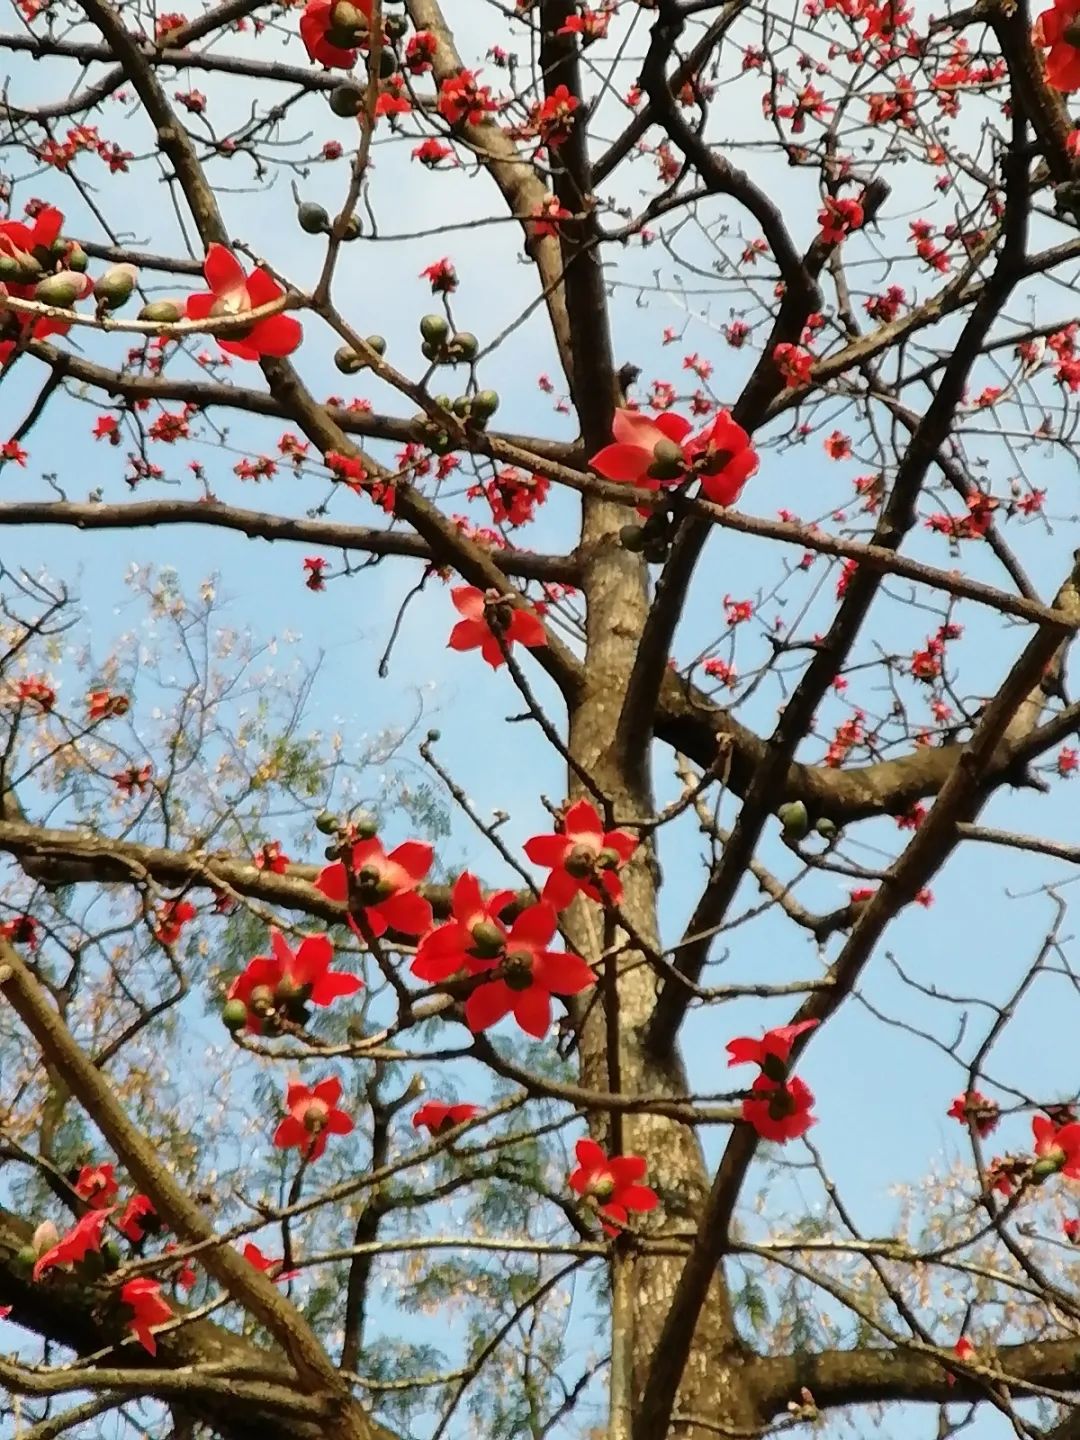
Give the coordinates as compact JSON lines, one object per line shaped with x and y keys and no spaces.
{"x":465,"y":1155}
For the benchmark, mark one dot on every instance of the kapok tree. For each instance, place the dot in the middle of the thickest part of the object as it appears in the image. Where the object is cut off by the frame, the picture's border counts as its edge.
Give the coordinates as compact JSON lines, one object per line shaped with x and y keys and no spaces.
{"x":322,"y":1117}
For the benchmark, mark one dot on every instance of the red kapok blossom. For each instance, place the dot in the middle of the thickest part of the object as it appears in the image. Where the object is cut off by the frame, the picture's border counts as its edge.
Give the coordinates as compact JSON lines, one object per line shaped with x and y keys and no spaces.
{"x":838,"y":218}
{"x":171,"y":919}
{"x":644,"y":452}
{"x":18,"y":242}
{"x":291,"y":978}
{"x":139,"y":1219}
{"x":1057,"y":1148}
{"x":584,"y":858}
{"x":148,"y":1306}
{"x":974,"y":1106}
{"x":331,"y":31}
{"x":437,"y":1117}
{"x":234,"y":293}
{"x":84,"y":1236}
{"x":485,"y":617}
{"x":383,"y":886}
{"x":723,"y":459}
{"x":794,"y":364}
{"x":254,"y":1256}
{"x":1059,"y":28}
{"x":313,"y":1117}
{"x":527,"y":976}
{"x":471,"y":941}
{"x":772,"y":1052}
{"x":611,"y":1184}
{"x":779,"y":1112}
{"x":96,"y":1185}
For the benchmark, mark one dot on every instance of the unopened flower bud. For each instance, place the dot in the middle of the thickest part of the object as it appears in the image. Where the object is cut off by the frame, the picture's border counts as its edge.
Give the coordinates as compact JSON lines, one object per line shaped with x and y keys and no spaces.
{"x":114,"y":288}
{"x":62,"y":289}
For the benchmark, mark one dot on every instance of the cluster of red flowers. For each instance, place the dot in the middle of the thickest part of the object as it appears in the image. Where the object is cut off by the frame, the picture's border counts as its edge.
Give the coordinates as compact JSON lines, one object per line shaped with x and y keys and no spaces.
{"x":779,"y":1104}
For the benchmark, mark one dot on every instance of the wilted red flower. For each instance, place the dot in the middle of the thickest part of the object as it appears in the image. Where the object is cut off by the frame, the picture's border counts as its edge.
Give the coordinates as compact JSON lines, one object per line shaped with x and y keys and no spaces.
{"x":772,"y":1052}
{"x":148,"y":1306}
{"x":185,"y":1275}
{"x":584,"y":858}
{"x":171,"y":919}
{"x":234,"y":293}
{"x":33,"y":689}
{"x":21,"y":931}
{"x":974,"y":1106}
{"x":474,"y":934}
{"x":313,"y":1116}
{"x":104,"y":705}
{"x":526,"y":976}
{"x":84,"y":1236}
{"x":1059,"y":29}
{"x":383,"y":886}
{"x":254,"y":1256}
{"x":779,"y":1112}
{"x":437,"y":1117}
{"x":291,"y":979}
{"x":332,"y":30}
{"x":485,"y":617}
{"x":441,"y":276}
{"x":139,"y":1219}
{"x":96,"y":1185}
{"x":611,"y":1184}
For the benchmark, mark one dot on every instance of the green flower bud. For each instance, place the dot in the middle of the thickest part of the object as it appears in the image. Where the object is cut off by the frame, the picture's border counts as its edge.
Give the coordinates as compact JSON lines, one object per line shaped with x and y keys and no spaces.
{"x":465,"y":345}
{"x":632,"y":537}
{"x":484,"y":404}
{"x":327,"y":823}
{"x":377,"y":343}
{"x":313,"y":219}
{"x":161,"y":312}
{"x":234,"y":1015}
{"x":434,"y":329}
{"x":346,"y":101}
{"x":114,"y":288}
{"x":794,"y":819}
{"x":347,"y":360}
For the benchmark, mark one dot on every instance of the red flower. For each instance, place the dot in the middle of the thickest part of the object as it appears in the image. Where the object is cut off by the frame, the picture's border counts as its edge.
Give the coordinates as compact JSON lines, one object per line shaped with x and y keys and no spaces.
{"x":291,"y":979}
{"x":974,"y":1106}
{"x":584,"y":859}
{"x":644,"y":452}
{"x":234,"y":293}
{"x":17,"y":244}
{"x":104,"y":705}
{"x":96,"y":1185}
{"x":784,"y":1114}
{"x":1059,"y":28}
{"x":254,"y":1256}
{"x":527,"y":976}
{"x":330,"y":31}
{"x":438,"y":1117}
{"x":384,"y":886}
{"x":441,"y":276}
{"x":270,"y":857}
{"x":723,"y":459}
{"x":432,"y":152}
{"x":139,"y":1219}
{"x":84,"y":1236}
{"x":171,"y":919}
{"x":611,"y":1184}
{"x":20,"y":931}
{"x":1071,"y":1230}
{"x":472,"y":941}
{"x":461,"y":99}
{"x":838,"y":218}
{"x":794,"y":364}
{"x":313,"y":1116}
{"x":772,"y":1052}
{"x":185,"y":1276}
{"x":1057,"y":1149}
{"x":487,"y":615}
{"x":32,"y":687}
{"x":144,"y":1298}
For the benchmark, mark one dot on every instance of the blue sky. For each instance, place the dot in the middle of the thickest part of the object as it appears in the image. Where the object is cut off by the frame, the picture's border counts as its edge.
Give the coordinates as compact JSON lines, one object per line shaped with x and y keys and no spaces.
{"x":882,"y":1093}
